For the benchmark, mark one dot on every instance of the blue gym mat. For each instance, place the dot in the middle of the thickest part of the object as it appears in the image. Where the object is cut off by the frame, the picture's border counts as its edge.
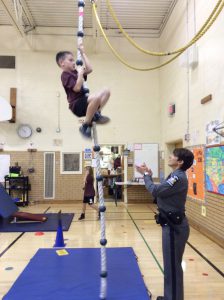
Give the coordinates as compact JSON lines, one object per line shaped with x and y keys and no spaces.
{"x":7,"y":206}
{"x":50,"y":225}
{"x":75,"y":276}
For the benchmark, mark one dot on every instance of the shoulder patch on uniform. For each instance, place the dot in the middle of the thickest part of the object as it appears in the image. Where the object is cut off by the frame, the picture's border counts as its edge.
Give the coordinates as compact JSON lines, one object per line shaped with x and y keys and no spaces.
{"x":172,"y":180}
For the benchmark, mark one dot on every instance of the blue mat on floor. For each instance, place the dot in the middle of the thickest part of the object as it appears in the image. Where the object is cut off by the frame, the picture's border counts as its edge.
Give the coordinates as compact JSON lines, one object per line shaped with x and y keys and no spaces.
{"x":50,"y":225}
{"x":75,"y":276}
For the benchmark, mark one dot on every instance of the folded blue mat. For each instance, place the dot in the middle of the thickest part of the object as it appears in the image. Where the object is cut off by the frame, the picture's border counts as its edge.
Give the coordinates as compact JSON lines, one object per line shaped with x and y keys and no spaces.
{"x":50,"y":225}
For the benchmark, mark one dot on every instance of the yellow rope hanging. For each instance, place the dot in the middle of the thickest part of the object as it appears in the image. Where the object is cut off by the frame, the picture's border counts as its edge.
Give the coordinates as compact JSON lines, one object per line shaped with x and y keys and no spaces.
{"x":194,"y":39}
{"x":152,"y":68}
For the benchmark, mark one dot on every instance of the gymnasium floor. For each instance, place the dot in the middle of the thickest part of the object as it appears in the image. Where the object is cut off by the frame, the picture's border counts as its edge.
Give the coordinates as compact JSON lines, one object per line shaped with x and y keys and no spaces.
{"x":130,"y":225}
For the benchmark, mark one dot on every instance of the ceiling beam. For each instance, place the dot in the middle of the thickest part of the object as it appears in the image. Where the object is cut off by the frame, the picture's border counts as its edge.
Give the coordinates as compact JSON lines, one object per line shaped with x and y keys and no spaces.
{"x":167,"y":16}
{"x":27,"y":13}
{"x":10,"y":13}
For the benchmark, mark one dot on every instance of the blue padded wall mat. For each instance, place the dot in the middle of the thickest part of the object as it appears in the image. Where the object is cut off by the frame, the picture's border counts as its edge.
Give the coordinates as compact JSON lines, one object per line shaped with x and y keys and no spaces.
{"x":7,"y":206}
{"x":75,"y":276}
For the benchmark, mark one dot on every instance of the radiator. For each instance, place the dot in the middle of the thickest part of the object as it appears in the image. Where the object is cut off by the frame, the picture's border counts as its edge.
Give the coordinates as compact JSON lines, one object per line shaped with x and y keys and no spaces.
{"x":49,"y":175}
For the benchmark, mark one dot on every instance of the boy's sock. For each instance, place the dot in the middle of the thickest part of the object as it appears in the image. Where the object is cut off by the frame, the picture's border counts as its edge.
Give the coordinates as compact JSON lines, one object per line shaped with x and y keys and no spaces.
{"x":85,"y":125}
{"x":85,"y":130}
{"x":100,"y":119}
{"x":89,"y":130}
{"x":82,"y":216}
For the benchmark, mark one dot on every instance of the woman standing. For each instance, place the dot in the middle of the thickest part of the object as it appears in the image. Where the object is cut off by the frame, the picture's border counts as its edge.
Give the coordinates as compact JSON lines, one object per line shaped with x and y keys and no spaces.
{"x":89,"y":192}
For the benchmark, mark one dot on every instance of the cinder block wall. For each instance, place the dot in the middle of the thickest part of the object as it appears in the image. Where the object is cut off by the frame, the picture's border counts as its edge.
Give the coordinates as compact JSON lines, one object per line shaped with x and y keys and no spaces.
{"x":67,"y":187}
{"x":212,"y":225}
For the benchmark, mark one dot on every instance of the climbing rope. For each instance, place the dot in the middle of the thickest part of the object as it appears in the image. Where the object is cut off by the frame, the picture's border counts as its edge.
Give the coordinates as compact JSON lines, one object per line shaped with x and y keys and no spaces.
{"x":198,"y":35}
{"x":80,"y":35}
{"x":209,"y":24}
{"x":102,"y":209}
{"x":99,"y":178}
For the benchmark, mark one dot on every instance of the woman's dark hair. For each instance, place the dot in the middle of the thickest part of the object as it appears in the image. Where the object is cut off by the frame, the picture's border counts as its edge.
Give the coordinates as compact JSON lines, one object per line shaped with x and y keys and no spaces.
{"x":90,"y":169}
{"x":60,"y":56}
{"x":186,"y":156}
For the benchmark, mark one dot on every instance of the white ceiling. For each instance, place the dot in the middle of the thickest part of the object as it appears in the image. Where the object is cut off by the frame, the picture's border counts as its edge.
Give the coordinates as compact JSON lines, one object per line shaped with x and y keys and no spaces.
{"x":142,"y":16}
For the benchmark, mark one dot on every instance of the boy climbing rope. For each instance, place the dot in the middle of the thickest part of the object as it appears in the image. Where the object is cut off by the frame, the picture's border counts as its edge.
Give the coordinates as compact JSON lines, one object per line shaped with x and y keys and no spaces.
{"x":80,"y":104}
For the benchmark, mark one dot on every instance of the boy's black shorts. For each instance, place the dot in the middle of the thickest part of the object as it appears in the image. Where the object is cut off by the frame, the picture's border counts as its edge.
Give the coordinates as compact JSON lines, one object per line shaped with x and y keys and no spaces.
{"x":80,"y":107}
{"x":88,"y":199}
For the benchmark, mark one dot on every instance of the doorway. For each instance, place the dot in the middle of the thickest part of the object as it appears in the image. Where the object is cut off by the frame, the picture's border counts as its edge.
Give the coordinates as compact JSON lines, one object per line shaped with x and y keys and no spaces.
{"x":169,"y":150}
{"x":112,"y":170}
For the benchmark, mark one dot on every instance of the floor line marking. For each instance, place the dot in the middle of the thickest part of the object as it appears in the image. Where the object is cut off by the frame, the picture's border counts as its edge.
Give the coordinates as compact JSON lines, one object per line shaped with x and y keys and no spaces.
{"x":153,"y":255}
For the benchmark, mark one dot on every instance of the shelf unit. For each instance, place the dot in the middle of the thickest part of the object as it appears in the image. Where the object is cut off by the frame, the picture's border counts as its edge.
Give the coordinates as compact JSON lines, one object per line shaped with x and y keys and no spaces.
{"x":18,"y":187}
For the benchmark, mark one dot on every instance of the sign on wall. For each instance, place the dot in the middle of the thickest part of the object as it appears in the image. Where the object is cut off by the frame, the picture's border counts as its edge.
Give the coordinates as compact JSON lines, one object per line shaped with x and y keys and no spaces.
{"x":214,"y":162}
{"x":211,"y":136}
{"x":87,"y":154}
{"x":196,"y":178}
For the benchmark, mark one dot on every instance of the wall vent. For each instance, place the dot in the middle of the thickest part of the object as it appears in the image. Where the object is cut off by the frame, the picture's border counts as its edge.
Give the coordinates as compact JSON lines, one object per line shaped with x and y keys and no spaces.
{"x":49,"y":175}
{"x":7,"y":62}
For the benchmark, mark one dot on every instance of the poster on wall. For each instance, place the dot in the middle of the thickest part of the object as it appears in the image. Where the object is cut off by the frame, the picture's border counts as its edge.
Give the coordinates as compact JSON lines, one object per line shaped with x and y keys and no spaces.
{"x":88,"y":156}
{"x":214,"y":162}
{"x":212,"y":137}
{"x":196,"y":178}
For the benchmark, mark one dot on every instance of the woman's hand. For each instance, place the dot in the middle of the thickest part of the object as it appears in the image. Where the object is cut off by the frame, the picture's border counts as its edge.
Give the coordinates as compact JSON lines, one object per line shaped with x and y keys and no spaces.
{"x":143,"y":168}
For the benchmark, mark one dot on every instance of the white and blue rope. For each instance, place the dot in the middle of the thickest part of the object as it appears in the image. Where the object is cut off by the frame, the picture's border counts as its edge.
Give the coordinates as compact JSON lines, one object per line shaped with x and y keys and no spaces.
{"x":80,"y":35}
{"x":102,"y":209}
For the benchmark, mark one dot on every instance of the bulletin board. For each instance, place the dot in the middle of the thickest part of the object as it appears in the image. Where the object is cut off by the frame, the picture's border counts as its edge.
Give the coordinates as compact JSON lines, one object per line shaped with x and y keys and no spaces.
{"x":196,"y":176}
{"x":148,"y":154}
{"x":214,"y":162}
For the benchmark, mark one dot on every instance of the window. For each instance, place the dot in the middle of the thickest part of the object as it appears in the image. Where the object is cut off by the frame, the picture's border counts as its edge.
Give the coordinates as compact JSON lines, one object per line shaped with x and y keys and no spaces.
{"x":7,"y":62}
{"x":71,"y":163}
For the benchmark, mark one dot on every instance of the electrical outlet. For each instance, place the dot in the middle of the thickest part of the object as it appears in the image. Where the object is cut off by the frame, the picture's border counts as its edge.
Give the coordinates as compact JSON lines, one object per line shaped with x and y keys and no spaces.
{"x":203,"y":211}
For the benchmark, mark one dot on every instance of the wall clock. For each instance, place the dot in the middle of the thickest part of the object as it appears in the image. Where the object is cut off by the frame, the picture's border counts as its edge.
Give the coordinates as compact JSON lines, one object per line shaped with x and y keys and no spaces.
{"x":24,"y":131}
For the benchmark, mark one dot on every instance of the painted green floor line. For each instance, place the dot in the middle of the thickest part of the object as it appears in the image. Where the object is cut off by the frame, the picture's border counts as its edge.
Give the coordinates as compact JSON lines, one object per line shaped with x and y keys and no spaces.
{"x":153,"y":255}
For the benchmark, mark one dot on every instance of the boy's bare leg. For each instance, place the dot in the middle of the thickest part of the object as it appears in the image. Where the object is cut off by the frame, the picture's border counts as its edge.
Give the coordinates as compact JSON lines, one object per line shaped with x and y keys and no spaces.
{"x":104,"y":95}
{"x":94,"y":103}
{"x":101,"y":98}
